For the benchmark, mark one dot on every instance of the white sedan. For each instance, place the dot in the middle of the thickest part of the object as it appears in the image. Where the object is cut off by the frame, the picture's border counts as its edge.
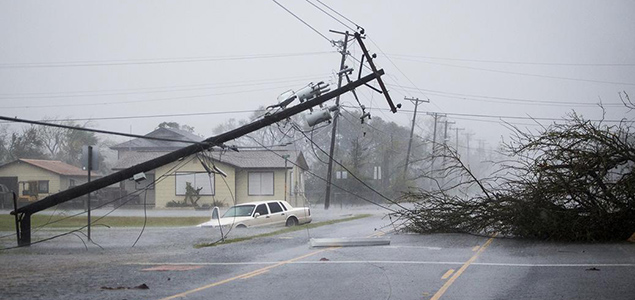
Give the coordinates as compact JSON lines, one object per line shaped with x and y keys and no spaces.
{"x":262,"y":213}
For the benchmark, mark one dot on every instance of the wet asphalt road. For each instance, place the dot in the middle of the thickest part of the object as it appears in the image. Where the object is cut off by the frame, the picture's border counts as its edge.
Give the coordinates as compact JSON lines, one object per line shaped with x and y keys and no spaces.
{"x":441,"y":266}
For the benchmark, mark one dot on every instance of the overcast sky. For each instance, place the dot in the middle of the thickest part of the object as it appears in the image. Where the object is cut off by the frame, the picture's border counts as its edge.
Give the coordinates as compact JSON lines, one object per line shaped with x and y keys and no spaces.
{"x":107,"y":59}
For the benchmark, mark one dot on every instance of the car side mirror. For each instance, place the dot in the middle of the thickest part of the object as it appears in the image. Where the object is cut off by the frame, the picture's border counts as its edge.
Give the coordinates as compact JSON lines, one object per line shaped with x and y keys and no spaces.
{"x":256,"y":215}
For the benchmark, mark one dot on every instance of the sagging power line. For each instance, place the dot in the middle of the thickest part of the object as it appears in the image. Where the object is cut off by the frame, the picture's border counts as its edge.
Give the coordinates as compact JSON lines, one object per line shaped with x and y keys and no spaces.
{"x":24,"y":213}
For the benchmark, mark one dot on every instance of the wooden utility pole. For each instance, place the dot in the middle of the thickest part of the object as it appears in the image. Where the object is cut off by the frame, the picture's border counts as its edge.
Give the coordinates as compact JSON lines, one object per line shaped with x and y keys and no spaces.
{"x":445,"y":143}
{"x":89,"y":167}
{"x":457,"y":138}
{"x":468,"y":136}
{"x":445,"y":134}
{"x":412,"y":129}
{"x":434,"y":142}
{"x":329,"y":174}
{"x":24,"y":213}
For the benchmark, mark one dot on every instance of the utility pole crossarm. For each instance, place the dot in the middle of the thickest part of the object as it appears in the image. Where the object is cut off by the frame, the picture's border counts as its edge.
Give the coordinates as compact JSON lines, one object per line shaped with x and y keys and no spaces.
{"x":369,"y":58}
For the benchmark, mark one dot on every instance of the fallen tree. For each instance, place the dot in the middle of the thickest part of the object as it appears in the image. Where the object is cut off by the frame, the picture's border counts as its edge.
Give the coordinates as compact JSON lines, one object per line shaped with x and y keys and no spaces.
{"x":569,"y":181}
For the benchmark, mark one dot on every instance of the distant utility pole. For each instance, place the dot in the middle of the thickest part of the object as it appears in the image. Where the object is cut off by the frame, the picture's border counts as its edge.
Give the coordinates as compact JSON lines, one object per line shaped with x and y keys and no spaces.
{"x":445,"y":134}
{"x":329,"y":174}
{"x":445,"y":141}
{"x":434,"y":141}
{"x":468,"y":136}
{"x":412,"y":129}
{"x":481,"y":146}
{"x":457,"y":138}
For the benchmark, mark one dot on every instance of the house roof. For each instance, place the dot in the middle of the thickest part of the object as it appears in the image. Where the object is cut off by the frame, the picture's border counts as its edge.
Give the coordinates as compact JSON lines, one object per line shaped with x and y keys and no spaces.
{"x":155,"y":145}
{"x":55,"y":166}
{"x":245,"y":159}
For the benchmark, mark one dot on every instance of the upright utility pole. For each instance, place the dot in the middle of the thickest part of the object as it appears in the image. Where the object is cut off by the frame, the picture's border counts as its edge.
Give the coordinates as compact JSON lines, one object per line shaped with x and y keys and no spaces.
{"x":412,"y":129}
{"x":286,"y":171}
{"x":434,"y":142}
{"x":89,"y":167}
{"x":468,"y":136}
{"x":445,"y":134}
{"x":329,"y":174}
{"x":457,"y":138}
{"x":445,"y":144}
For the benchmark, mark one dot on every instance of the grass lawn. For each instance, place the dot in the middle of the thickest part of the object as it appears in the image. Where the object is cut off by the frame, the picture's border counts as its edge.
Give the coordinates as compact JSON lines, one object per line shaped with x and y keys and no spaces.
{"x":7,"y":222}
{"x":283,"y":231}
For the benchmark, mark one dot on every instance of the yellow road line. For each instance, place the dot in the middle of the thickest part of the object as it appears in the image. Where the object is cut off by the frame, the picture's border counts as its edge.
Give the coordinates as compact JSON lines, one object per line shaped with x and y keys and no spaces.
{"x":378,"y":234}
{"x":447,"y":274}
{"x":246,"y":275}
{"x":456,"y":275}
{"x":475,"y":248}
{"x":255,"y":274}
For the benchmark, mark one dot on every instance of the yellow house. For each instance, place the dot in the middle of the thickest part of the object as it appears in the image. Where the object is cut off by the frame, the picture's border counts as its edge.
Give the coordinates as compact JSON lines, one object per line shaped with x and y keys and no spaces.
{"x":34,"y":179}
{"x":222,"y":177}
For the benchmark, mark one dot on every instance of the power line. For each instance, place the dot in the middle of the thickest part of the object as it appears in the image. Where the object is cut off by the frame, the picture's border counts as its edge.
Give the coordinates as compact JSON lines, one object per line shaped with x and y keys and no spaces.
{"x":352,"y":174}
{"x":146,"y":100}
{"x":324,"y":179}
{"x":518,"y":62}
{"x":334,"y":18}
{"x":509,"y":99}
{"x":161,"y":115}
{"x":152,"y":61}
{"x":504,"y":117}
{"x":150,"y":90}
{"x":129,"y":196}
{"x":519,"y":73}
{"x":305,"y":23}
{"x":347,"y":19}
{"x":94,"y":130}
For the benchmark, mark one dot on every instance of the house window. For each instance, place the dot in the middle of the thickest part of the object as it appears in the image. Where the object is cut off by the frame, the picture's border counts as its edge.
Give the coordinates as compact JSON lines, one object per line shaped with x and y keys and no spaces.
{"x":43,"y":186}
{"x":71,"y":183}
{"x":341,"y":175}
{"x":197,"y":180}
{"x":147,"y":183}
{"x":260,"y":184}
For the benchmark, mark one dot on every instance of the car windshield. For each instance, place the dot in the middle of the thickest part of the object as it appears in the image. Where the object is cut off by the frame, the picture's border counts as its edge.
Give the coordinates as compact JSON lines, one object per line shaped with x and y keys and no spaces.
{"x":239,"y":211}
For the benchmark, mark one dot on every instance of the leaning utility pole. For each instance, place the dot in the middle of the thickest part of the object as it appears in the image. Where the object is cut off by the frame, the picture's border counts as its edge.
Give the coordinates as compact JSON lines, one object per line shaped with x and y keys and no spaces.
{"x":24,"y":213}
{"x":412,"y":129}
{"x":329,"y":174}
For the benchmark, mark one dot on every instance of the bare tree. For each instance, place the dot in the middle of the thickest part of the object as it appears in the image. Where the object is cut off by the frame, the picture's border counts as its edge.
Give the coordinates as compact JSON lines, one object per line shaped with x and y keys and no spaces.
{"x":569,"y":181}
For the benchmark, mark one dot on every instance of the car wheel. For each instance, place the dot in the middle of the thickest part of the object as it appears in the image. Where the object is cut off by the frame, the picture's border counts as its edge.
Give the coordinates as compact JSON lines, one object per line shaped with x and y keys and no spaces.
{"x":292,"y":222}
{"x":241,"y":226}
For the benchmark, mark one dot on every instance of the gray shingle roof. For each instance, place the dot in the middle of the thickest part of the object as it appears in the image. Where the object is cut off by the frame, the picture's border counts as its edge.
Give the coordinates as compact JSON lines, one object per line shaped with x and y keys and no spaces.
{"x":245,"y":159}
{"x":154,"y":145}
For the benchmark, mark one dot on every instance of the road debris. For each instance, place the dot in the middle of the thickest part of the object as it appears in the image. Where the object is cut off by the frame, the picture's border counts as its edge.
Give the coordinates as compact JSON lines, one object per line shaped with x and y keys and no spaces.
{"x":142,"y":286}
{"x":350,"y":242}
